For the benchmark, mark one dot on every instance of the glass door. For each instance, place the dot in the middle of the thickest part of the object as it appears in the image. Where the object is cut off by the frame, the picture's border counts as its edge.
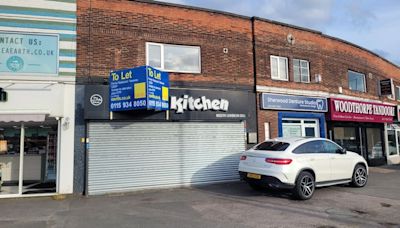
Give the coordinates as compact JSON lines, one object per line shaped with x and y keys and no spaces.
{"x":393,"y":142}
{"x":40,"y":158}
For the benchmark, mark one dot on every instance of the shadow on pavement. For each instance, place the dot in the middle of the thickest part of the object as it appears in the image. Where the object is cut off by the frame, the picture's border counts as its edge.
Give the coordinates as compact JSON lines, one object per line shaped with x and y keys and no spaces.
{"x":232,"y":187}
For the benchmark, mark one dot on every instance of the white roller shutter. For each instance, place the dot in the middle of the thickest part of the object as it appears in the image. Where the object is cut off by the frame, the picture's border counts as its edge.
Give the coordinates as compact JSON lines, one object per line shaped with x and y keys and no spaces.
{"x":126,"y":156}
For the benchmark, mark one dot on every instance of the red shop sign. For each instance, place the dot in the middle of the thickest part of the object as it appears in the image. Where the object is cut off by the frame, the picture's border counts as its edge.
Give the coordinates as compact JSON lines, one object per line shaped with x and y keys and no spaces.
{"x":358,"y":111}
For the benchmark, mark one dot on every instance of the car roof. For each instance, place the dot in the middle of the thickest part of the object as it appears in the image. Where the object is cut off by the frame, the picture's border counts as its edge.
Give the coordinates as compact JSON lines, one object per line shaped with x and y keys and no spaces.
{"x":289,"y":139}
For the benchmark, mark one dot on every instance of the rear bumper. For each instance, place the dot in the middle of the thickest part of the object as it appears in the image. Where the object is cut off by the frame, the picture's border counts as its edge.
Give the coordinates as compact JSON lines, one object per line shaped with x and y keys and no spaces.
{"x":267,"y":181}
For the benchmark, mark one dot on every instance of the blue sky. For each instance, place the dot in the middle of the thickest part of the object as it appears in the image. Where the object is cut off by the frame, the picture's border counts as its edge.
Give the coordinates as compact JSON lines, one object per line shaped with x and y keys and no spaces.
{"x":372,"y":24}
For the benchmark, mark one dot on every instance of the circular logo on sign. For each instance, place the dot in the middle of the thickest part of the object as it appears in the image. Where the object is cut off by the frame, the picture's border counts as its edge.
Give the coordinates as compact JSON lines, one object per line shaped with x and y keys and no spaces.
{"x":96,"y":99}
{"x":15,"y":63}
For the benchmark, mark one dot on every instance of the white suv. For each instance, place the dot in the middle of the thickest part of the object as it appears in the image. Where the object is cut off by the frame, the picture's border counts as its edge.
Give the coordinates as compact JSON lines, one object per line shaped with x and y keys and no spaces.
{"x":301,"y":164}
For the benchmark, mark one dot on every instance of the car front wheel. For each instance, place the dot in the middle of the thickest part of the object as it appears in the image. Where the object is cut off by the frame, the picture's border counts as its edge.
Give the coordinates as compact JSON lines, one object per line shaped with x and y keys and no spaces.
{"x":360,"y":176}
{"x":305,"y":186}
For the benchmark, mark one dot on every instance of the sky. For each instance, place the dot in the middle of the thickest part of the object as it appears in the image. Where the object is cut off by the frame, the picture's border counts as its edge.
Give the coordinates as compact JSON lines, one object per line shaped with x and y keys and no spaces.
{"x":371,"y":24}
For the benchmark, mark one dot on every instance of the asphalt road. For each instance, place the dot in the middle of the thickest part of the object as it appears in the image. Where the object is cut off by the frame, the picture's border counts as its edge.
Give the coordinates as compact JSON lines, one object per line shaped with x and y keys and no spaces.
{"x":222,"y":205}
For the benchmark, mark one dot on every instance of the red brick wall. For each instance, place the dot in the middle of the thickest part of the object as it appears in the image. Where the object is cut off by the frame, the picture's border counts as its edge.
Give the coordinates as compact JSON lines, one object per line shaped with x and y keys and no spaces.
{"x":112,"y":35}
{"x":328,"y":57}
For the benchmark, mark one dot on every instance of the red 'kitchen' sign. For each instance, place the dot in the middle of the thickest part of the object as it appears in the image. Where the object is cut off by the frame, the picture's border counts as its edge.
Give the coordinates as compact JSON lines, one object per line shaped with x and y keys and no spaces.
{"x":358,"y":111}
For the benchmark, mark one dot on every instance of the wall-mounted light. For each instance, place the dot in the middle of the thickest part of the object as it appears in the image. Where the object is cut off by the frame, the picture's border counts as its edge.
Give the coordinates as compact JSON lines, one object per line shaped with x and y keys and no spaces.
{"x":340,"y":89}
{"x":225,"y":50}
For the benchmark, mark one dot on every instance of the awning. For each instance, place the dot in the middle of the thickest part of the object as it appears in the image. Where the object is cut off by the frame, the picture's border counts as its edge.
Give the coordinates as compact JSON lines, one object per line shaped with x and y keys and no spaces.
{"x":22,"y":117}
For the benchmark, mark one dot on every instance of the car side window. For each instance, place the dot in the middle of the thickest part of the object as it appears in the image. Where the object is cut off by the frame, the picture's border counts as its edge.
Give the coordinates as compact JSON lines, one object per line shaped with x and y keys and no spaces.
{"x":331,"y":148}
{"x":310,"y":148}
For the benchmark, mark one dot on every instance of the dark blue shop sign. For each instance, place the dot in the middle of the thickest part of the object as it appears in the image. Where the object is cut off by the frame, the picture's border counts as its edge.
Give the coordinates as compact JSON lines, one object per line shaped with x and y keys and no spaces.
{"x":293,"y":103}
{"x":142,"y":87}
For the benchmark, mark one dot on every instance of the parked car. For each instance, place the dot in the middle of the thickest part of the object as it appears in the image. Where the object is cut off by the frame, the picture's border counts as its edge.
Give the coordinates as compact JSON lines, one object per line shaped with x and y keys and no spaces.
{"x":301,"y":164}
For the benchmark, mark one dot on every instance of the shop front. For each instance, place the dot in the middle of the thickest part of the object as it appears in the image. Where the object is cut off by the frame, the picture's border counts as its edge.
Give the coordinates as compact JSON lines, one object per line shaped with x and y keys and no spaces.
{"x":37,"y":105}
{"x":197,"y":138}
{"x":360,"y":127}
{"x":297,"y":116}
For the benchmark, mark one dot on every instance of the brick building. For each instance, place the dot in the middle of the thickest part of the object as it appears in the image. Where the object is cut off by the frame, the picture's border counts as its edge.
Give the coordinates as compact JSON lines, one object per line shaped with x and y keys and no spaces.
{"x":208,"y":55}
{"x":319,"y":66}
{"x":218,"y":56}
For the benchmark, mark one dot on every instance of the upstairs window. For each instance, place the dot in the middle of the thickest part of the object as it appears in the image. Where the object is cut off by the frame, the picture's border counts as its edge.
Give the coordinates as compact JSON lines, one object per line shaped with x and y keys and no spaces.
{"x":174,"y":58}
{"x":397,"y":92}
{"x":279,"y":68}
{"x":301,"y":70}
{"x":356,"y":81}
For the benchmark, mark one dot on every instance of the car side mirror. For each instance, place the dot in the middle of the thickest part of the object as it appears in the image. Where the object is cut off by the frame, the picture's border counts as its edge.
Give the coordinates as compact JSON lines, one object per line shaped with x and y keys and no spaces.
{"x":341,"y":151}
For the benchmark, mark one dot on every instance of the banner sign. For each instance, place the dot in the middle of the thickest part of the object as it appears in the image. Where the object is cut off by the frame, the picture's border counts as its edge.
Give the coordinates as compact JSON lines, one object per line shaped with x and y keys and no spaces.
{"x":386,"y":87}
{"x":358,"y":111}
{"x":293,"y":103}
{"x":28,"y":53}
{"x":139,"y":88}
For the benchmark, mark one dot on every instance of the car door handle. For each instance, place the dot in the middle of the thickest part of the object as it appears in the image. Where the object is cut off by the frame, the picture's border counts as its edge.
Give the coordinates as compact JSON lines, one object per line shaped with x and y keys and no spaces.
{"x":333,"y":158}
{"x":312,"y":159}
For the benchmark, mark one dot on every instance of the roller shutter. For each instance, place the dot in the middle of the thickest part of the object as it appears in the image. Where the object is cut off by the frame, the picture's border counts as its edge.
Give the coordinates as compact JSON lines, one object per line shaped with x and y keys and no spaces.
{"x":125,"y":156}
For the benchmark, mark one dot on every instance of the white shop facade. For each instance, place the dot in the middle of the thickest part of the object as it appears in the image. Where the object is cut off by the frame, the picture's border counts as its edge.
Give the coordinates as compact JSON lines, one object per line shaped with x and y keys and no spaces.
{"x":37,"y":105}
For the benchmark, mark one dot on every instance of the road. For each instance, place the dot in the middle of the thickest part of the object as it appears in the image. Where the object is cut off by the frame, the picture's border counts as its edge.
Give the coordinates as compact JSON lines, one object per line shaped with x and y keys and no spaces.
{"x":220,"y":205}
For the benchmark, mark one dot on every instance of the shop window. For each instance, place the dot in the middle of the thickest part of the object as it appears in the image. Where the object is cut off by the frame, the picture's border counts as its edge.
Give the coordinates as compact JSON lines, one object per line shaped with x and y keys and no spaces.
{"x":174,"y":58}
{"x":356,"y":81}
{"x":279,"y":68}
{"x":300,"y":128}
{"x":301,"y":70}
{"x":374,"y":143}
{"x":347,"y":138}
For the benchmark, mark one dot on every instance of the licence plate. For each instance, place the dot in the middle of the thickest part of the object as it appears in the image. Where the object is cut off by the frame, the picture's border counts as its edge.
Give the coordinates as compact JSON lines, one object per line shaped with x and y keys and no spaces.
{"x":254,"y":176}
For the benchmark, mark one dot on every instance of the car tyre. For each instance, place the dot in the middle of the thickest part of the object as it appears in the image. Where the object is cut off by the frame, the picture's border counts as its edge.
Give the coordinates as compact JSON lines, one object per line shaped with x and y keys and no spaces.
{"x":360,"y":176}
{"x":305,"y":186}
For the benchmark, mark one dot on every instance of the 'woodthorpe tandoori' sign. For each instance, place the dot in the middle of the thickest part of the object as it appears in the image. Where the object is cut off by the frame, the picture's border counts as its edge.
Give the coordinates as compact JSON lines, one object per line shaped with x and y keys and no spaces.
{"x":358,"y":111}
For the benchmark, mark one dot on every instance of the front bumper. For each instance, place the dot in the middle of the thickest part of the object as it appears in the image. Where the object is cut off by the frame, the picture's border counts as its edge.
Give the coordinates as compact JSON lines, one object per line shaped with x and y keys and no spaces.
{"x":267,"y":181}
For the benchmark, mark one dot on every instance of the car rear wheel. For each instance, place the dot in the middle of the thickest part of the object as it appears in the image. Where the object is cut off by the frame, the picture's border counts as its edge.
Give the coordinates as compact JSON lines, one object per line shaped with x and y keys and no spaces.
{"x":305,"y":186}
{"x":360,"y":176}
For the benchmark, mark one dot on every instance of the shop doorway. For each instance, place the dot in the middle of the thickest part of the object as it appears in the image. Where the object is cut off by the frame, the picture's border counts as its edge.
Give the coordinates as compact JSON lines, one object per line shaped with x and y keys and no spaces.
{"x":28,"y":157}
{"x":366,"y":140}
{"x":393,"y":142}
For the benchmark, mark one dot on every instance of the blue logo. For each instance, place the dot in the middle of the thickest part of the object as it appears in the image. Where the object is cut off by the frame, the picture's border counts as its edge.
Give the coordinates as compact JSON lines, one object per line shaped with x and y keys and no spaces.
{"x":15,"y":63}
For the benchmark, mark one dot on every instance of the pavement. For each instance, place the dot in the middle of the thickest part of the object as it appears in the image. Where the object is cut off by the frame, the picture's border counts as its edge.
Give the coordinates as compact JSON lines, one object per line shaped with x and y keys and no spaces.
{"x":220,"y":205}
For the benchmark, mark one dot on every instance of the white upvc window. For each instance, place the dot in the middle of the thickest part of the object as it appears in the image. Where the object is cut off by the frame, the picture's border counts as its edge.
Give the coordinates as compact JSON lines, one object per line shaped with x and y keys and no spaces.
{"x":357,"y":81}
{"x":173,"y":58}
{"x":301,"y":70}
{"x":279,"y":68}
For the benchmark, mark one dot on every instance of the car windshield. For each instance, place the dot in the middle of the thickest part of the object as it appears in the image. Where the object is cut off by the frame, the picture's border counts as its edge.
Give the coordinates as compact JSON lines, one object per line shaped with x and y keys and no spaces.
{"x":272,"y":146}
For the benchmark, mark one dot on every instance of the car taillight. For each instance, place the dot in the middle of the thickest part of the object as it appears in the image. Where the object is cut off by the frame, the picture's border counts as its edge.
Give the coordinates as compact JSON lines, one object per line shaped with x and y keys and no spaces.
{"x":279,"y":161}
{"x":243,"y":157}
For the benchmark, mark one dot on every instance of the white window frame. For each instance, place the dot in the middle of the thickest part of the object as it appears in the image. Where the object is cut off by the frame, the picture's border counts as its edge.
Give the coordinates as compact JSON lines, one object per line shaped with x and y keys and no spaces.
{"x":365,"y":81}
{"x":301,"y":76}
{"x":162,"y":57}
{"x":303,"y":125}
{"x":287,"y":70}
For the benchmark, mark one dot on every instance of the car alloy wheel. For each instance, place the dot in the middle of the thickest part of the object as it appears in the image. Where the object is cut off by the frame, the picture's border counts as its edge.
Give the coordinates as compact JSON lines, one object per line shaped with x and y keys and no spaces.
{"x":360,"y":176}
{"x":305,"y":186}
